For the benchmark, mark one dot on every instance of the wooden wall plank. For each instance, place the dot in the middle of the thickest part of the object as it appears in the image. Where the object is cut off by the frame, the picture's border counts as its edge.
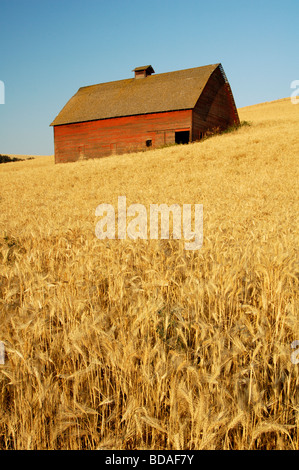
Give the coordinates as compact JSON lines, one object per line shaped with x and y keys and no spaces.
{"x":213,"y":108}
{"x":94,"y":139}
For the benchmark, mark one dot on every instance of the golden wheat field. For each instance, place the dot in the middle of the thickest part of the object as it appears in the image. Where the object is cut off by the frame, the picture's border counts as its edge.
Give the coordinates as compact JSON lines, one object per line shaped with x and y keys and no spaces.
{"x":142,"y":344}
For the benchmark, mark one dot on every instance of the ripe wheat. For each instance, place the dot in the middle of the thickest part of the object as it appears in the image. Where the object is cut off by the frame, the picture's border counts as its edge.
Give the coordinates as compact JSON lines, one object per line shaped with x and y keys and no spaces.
{"x":123,"y":344}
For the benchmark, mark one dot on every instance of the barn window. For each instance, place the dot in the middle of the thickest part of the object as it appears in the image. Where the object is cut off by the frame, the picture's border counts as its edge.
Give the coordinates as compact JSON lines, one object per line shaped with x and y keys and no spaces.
{"x":182,"y":137}
{"x":148,"y":143}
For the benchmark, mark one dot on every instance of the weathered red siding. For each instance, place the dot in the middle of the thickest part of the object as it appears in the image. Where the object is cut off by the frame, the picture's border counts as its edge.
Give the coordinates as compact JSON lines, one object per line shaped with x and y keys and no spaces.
{"x":214,"y":108}
{"x":100,"y":138}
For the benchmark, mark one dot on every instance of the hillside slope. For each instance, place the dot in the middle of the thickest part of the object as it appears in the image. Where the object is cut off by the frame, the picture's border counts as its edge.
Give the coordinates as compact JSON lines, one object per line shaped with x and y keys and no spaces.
{"x":125,"y":344}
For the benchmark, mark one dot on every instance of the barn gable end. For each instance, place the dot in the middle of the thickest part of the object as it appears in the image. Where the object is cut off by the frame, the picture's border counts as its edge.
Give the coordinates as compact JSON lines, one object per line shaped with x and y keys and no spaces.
{"x":215,"y":108}
{"x":150,"y":110}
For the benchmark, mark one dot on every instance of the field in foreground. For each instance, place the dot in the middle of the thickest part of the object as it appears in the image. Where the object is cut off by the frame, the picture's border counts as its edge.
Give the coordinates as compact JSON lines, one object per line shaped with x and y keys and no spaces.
{"x":123,"y":344}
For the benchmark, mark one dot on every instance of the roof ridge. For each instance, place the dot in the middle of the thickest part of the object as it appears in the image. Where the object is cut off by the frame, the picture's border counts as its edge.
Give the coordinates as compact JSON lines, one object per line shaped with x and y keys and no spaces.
{"x":149,"y":77}
{"x":166,"y":91}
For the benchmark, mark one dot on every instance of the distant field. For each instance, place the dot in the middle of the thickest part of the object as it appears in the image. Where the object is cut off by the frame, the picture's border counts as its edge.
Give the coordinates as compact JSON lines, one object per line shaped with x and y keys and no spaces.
{"x":122,"y":344}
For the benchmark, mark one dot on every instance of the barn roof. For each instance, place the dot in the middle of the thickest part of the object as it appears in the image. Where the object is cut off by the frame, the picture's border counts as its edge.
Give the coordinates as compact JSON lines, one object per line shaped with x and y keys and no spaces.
{"x":156,"y":93}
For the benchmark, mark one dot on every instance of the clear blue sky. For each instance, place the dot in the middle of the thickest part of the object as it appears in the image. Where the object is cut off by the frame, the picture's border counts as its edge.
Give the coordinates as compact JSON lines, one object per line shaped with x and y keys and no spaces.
{"x":50,"y":48}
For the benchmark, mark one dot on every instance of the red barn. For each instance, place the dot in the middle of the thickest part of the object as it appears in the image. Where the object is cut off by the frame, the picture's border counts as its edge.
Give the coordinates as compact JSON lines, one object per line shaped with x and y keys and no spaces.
{"x":149,"y":110}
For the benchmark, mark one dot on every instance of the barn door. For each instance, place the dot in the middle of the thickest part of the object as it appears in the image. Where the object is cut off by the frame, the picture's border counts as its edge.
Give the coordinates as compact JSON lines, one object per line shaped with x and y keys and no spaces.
{"x":182,"y":137}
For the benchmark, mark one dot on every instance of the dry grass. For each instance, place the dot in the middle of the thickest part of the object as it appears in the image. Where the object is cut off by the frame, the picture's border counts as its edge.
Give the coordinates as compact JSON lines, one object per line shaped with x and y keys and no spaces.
{"x":142,"y":344}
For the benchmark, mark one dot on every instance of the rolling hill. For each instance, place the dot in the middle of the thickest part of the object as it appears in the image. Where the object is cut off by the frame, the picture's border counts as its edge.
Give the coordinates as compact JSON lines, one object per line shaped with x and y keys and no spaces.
{"x":141,"y":344}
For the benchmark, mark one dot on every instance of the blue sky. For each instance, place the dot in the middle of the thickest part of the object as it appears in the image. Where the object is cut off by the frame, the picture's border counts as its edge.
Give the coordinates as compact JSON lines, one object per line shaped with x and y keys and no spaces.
{"x":50,"y":48}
